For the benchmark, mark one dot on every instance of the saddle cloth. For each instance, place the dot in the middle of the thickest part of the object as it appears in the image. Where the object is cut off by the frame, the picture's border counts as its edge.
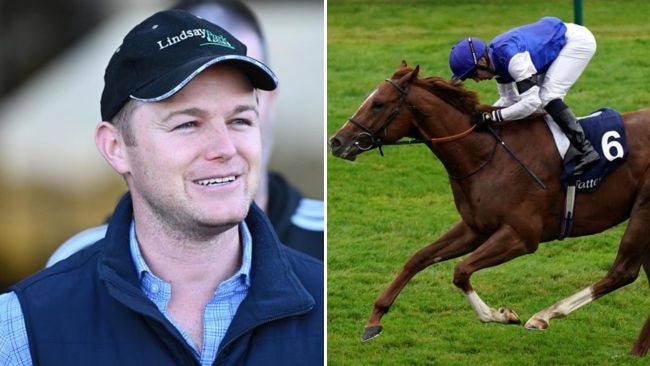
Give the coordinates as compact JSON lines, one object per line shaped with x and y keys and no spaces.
{"x":604,"y":129}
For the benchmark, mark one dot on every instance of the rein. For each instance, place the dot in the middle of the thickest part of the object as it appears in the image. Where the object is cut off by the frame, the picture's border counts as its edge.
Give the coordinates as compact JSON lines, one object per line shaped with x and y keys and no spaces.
{"x":435,"y":140}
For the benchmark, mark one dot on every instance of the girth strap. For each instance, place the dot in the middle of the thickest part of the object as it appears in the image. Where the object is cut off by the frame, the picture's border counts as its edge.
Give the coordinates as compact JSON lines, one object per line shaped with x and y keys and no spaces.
{"x":569,"y":205}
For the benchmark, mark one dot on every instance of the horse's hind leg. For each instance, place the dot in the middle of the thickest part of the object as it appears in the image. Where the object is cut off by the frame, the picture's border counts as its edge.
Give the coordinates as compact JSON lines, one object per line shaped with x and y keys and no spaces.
{"x":642,"y":343}
{"x":631,"y":254}
{"x":458,"y":241}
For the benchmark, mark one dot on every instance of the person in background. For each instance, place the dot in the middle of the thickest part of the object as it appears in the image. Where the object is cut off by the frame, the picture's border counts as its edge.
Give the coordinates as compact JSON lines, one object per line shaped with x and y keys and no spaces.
{"x":298,"y":221}
{"x":190,"y":271}
{"x":535,"y":65}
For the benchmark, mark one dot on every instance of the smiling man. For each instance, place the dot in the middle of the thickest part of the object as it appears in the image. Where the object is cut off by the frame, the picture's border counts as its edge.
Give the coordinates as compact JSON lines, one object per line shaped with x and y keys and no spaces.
{"x":190,"y":270}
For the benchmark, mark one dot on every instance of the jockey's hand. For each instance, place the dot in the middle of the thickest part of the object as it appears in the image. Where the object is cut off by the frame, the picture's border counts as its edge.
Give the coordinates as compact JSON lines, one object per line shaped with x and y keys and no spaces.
{"x":481,"y":118}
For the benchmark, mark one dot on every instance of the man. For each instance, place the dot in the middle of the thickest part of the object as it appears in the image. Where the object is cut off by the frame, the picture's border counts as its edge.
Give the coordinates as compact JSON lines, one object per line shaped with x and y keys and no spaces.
{"x":190,"y":270}
{"x":298,"y":221}
{"x":535,"y":65}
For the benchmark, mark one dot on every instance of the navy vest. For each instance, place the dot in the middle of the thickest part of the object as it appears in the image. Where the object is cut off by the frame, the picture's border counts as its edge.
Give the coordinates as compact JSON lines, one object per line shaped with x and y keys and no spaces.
{"x":89,"y":309}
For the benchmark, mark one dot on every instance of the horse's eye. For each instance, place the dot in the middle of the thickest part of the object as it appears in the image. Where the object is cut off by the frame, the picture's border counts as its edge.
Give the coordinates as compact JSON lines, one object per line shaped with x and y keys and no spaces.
{"x":377,"y":105}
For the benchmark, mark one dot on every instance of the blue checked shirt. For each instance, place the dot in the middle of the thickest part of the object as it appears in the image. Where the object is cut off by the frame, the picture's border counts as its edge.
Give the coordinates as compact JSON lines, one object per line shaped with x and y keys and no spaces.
{"x":217,"y":315}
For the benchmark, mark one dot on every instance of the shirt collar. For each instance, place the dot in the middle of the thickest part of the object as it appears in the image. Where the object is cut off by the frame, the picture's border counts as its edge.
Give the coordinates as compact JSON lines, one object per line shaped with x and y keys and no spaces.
{"x":244,"y":271}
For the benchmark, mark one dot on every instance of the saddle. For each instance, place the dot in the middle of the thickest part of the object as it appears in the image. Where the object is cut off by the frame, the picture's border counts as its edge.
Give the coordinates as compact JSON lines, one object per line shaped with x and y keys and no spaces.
{"x":604,"y":129}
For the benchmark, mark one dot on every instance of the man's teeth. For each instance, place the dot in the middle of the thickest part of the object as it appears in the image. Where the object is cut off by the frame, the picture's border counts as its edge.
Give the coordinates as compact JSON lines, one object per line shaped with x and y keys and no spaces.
{"x":216,"y":181}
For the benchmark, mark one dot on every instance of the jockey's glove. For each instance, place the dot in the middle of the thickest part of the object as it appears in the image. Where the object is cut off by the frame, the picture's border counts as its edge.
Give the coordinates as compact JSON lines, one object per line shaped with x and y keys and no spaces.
{"x":481,"y":118}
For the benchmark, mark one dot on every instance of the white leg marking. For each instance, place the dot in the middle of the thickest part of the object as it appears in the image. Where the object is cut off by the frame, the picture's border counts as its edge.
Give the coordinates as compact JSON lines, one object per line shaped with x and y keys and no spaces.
{"x":482,"y":310}
{"x":487,"y":314}
{"x":563,"y":307}
{"x":572,"y":303}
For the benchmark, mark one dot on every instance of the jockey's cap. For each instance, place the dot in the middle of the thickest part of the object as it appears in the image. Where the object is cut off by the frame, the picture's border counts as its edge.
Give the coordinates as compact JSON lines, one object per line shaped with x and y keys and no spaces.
{"x":464,"y":56}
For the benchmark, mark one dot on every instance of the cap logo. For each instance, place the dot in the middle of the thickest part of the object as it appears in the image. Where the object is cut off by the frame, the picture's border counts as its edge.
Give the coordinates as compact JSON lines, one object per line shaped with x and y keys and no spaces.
{"x":211,"y":38}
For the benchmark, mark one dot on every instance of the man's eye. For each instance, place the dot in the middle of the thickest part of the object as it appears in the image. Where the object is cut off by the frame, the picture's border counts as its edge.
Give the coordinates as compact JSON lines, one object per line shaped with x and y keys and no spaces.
{"x":241,"y":121}
{"x":186,"y":125}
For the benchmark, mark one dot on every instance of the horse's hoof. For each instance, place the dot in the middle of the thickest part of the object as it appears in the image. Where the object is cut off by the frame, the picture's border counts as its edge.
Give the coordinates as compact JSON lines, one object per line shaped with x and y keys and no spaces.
{"x":536,"y":324}
{"x":509,"y":316}
{"x":371,"y":332}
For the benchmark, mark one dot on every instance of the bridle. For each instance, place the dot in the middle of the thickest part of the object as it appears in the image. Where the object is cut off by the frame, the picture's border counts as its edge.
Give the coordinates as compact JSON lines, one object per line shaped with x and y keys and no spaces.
{"x":374,"y":141}
{"x":368,"y":139}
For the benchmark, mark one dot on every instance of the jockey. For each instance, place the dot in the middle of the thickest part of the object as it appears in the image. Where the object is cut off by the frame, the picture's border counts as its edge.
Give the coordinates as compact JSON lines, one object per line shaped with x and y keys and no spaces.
{"x":534,"y":65}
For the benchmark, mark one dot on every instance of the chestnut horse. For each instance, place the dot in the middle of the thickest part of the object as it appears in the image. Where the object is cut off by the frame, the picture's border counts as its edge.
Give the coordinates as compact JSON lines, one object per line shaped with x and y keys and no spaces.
{"x":504,"y":213}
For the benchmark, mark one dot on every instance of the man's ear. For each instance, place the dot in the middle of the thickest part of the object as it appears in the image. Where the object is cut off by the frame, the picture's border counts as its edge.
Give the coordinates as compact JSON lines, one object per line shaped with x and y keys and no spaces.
{"x":483,"y":61}
{"x":111,"y":145}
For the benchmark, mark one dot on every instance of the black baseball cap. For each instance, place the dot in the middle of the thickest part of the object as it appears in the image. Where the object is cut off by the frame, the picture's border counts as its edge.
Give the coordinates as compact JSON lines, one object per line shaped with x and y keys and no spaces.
{"x":162,"y":54}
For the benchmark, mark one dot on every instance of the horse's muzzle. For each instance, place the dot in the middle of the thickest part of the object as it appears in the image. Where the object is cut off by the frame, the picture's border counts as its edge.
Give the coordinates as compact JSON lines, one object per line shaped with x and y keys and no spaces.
{"x":343,"y":150}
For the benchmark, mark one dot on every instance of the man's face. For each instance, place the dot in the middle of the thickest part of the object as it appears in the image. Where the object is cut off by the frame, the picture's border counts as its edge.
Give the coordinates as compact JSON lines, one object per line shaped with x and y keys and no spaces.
{"x":482,"y":71}
{"x":197,"y":155}
{"x":481,"y":75}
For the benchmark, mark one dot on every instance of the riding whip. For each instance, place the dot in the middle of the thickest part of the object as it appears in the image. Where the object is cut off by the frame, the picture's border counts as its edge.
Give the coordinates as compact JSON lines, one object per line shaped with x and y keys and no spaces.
{"x":512,"y":154}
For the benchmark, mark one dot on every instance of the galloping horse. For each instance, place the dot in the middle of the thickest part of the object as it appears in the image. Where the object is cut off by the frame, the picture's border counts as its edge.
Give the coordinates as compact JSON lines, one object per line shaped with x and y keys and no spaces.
{"x":504,"y":213}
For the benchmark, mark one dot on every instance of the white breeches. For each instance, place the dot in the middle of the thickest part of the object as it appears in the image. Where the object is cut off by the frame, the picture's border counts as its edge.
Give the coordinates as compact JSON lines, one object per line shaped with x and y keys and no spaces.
{"x":568,"y":66}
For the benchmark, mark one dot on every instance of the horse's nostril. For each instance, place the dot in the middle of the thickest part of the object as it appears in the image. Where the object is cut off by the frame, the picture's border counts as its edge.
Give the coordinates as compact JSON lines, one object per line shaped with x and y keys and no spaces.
{"x":334,"y":143}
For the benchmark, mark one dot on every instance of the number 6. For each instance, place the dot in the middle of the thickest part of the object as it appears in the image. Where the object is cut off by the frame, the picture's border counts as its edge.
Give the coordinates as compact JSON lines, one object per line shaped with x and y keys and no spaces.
{"x":609,"y":142}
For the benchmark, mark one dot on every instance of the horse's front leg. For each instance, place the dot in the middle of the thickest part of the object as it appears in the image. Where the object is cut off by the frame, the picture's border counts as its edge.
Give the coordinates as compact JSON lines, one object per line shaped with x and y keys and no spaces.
{"x":504,"y":245}
{"x":460,"y":240}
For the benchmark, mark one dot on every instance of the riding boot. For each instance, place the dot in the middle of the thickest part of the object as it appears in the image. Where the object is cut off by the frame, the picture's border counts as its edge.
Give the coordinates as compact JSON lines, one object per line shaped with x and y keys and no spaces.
{"x":567,"y":121}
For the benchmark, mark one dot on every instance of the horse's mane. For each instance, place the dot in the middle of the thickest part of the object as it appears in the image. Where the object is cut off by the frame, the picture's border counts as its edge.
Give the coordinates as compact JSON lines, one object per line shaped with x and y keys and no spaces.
{"x":451,"y":92}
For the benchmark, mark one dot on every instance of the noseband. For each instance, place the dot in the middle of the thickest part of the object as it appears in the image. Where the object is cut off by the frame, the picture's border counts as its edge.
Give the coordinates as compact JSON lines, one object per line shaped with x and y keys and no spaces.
{"x":369,"y":139}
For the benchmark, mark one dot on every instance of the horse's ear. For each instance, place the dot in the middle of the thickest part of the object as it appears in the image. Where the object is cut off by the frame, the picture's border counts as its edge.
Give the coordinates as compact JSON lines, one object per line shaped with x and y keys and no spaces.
{"x":410,"y":77}
{"x":403,"y":65}
{"x":414,"y":74}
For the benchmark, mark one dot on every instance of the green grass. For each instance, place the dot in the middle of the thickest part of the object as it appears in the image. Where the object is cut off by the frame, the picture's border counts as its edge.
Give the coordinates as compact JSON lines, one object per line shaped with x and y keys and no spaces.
{"x":383,"y":209}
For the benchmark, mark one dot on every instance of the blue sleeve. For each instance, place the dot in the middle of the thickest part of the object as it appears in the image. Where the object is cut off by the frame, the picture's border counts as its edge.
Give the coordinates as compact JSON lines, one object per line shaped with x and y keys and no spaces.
{"x":14,"y":345}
